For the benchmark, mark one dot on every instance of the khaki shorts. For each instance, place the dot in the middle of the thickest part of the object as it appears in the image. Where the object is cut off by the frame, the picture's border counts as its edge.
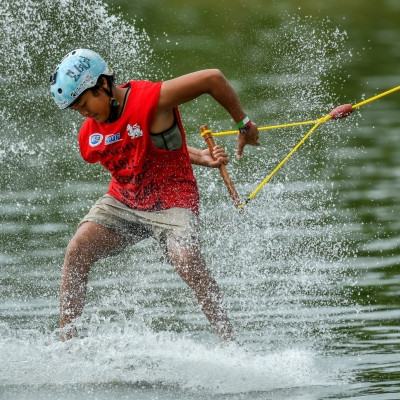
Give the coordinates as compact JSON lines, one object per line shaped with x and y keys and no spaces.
{"x":134,"y":226}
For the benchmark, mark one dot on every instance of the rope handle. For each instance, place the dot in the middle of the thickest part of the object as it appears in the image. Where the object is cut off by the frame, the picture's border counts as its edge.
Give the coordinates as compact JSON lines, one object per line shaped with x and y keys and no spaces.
{"x":207,"y":136}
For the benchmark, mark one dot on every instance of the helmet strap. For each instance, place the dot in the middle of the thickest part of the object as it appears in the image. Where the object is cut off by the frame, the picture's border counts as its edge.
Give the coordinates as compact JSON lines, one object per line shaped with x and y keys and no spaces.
{"x":113,"y":111}
{"x":113,"y":107}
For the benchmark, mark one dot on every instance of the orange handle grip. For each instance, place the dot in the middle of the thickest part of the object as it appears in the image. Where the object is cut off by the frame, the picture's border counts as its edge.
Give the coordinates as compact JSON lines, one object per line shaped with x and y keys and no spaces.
{"x":222,"y":169}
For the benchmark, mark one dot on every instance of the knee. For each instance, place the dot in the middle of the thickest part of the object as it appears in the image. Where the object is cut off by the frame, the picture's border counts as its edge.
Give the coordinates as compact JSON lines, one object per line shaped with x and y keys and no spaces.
{"x":184,"y":255}
{"x":198,"y":278}
{"x":80,"y":251}
{"x":90,"y":243}
{"x":75,"y":247}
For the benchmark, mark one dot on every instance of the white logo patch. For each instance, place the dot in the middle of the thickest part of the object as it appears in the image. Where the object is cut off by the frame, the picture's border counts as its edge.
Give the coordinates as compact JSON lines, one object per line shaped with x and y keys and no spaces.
{"x":95,"y":139}
{"x":134,"y":131}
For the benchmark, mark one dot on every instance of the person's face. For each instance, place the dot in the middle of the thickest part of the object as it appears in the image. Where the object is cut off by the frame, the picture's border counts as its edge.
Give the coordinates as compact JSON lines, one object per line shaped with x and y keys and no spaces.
{"x":93,"y":105}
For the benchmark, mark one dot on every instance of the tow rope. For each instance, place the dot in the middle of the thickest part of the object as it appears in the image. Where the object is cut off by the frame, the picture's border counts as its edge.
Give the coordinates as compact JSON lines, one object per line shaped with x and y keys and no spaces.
{"x":337,"y":113}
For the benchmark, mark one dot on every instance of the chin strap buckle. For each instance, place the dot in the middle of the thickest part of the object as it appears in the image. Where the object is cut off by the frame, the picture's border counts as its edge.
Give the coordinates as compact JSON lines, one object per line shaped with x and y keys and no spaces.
{"x":113,"y":111}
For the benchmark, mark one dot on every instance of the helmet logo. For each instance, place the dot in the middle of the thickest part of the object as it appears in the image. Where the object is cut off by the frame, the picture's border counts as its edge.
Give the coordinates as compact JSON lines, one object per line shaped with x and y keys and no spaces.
{"x":86,"y":83}
{"x":62,"y":103}
{"x":82,"y":65}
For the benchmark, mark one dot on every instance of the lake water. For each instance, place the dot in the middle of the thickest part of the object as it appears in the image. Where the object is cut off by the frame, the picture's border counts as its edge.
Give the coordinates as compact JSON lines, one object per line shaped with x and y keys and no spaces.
{"x":309,"y":272}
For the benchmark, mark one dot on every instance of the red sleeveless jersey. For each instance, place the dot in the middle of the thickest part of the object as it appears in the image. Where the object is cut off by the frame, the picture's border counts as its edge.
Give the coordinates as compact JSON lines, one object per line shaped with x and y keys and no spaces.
{"x":144,"y":177}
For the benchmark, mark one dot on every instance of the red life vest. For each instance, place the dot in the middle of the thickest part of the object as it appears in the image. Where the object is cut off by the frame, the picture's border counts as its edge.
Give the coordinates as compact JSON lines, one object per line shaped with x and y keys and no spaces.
{"x":144,"y":177}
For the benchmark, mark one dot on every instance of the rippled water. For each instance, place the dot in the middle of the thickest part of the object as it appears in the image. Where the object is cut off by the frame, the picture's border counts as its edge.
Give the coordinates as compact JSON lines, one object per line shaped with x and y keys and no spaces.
{"x":309,"y":272}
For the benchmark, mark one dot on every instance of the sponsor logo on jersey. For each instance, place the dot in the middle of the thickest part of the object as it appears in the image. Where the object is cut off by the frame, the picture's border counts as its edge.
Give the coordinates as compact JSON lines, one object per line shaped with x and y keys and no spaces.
{"x":134,"y":131}
{"x":95,"y":139}
{"x":110,"y":139}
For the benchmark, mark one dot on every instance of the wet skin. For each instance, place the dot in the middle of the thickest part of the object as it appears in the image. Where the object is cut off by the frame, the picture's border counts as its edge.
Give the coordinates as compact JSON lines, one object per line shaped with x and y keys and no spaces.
{"x":93,"y":241}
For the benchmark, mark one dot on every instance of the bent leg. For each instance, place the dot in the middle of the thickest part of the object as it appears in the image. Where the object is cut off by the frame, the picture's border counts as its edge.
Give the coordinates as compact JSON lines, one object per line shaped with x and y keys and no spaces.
{"x":192,"y":268}
{"x":91,"y":242}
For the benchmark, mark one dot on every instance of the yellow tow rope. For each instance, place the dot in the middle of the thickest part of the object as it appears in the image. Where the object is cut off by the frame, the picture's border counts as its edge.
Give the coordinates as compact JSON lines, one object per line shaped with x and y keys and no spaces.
{"x":337,"y":113}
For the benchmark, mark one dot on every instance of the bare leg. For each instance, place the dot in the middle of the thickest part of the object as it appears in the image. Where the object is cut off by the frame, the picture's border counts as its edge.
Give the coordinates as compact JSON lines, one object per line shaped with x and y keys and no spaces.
{"x":90,"y":243}
{"x":192,"y":268}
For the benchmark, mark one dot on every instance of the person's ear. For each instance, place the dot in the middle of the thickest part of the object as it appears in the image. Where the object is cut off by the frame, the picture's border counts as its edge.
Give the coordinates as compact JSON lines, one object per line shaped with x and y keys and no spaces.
{"x":103,"y":83}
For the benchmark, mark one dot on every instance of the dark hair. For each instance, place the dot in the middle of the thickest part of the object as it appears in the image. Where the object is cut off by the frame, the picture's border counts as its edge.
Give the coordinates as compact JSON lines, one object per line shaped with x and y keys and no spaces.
{"x":100,"y":80}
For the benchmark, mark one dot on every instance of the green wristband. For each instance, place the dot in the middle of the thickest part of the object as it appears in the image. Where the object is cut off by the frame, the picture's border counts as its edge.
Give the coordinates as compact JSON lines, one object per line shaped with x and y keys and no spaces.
{"x":241,"y":124}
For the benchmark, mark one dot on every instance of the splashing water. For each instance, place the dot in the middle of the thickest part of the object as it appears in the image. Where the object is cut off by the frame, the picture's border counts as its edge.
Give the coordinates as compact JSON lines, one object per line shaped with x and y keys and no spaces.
{"x":140,"y":355}
{"x":35,"y":36}
{"x":282,"y":267}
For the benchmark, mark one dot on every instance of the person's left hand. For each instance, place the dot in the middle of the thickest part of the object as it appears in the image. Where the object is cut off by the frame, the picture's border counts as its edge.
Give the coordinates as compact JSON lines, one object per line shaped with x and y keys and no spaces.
{"x":250,"y":137}
{"x":219,"y":157}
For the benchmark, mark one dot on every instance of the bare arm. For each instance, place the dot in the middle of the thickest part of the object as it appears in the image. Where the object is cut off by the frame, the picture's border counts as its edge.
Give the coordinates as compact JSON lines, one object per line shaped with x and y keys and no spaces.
{"x":203,"y":157}
{"x":188,"y":87}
